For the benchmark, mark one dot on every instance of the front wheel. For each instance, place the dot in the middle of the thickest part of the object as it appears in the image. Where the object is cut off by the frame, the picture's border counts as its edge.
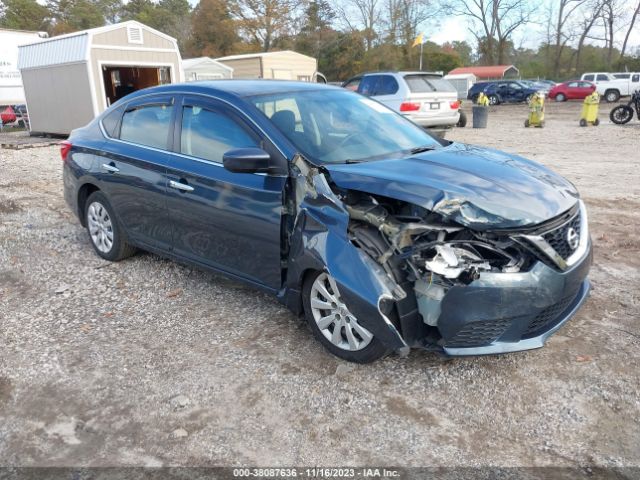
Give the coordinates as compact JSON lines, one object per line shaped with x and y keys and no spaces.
{"x":494,"y":100}
{"x":560,"y":97}
{"x":106,"y":235}
{"x":621,"y":114}
{"x":334,"y":325}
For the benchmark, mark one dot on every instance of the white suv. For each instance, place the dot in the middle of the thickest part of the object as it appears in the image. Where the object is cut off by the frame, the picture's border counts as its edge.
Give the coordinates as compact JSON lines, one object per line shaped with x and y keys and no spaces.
{"x":425,"y":98}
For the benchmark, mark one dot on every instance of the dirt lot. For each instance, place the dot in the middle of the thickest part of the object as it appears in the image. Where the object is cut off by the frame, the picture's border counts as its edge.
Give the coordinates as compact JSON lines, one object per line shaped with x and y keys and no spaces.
{"x":147,"y":362}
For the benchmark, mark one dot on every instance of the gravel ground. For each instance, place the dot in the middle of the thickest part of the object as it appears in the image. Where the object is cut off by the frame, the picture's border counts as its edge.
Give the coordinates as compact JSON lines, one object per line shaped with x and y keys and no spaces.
{"x":147,"y":362}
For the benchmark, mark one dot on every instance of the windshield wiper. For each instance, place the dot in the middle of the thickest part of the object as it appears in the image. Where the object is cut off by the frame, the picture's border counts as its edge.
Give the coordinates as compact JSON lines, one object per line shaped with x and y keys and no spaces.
{"x":423,"y":148}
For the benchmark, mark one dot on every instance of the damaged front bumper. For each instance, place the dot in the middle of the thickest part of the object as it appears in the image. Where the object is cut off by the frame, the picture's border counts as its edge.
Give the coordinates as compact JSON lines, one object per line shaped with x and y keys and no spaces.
{"x":509,"y":312}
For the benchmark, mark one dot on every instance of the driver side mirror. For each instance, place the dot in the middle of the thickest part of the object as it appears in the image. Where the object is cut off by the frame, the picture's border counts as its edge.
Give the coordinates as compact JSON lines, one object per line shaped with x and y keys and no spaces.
{"x":247,"y":160}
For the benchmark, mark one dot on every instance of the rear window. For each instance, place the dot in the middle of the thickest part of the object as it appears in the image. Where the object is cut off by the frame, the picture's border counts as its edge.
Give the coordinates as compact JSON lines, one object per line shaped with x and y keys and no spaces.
{"x":425,"y":84}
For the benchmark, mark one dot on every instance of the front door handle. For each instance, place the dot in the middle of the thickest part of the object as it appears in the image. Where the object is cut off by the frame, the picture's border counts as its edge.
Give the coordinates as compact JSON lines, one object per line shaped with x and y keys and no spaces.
{"x":110,"y":168}
{"x":180,"y":186}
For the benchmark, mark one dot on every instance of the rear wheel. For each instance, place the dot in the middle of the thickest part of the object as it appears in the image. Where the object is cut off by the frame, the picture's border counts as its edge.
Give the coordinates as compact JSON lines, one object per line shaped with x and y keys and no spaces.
{"x":621,"y":114}
{"x":462,"y":121}
{"x":611,"y":96}
{"x":334,"y":325}
{"x":560,"y":97}
{"x":105,"y":233}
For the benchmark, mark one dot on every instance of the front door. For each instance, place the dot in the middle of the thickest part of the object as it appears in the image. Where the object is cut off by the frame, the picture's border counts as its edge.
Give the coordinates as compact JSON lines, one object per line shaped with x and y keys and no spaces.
{"x":229,"y":221}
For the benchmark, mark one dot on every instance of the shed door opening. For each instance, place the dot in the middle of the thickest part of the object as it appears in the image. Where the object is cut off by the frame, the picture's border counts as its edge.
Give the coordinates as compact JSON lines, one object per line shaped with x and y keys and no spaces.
{"x":121,"y":81}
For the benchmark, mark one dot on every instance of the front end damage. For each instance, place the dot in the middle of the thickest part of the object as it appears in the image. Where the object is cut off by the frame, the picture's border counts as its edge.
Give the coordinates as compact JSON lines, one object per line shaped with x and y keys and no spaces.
{"x":419,"y":278}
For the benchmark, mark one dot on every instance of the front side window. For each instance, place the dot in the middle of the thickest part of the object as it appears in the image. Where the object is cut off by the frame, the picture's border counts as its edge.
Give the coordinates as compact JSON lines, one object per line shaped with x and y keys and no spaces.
{"x":353,"y":84}
{"x":635,"y":78}
{"x":339,"y":126}
{"x":572,"y":85}
{"x":209,"y":134}
{"x":603,"y":78}
{"x":147,"y":125}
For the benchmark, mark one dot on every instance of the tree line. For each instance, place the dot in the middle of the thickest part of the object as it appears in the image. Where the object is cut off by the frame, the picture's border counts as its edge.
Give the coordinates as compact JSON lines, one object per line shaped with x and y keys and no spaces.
{"x":351,"y":36}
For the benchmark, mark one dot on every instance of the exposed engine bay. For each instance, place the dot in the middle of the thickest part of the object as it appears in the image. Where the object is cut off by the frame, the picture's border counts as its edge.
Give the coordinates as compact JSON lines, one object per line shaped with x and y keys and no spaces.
{"x":432,"y":253}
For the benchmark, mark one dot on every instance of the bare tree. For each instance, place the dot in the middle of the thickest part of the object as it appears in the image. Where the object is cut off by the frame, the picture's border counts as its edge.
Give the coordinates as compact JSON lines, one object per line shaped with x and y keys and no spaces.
{"x":264,"y":21}
{"x":497,"y":21}
{"x":593,"y":10}
{"x":566,"y":9}
{"x":631,"y":24}
{"x":364,"y":16}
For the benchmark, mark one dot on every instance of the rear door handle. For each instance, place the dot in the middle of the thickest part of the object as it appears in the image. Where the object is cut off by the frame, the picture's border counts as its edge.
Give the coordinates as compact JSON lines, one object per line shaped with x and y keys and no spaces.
{"x":180,"y":186}
{"x":110,"y":168}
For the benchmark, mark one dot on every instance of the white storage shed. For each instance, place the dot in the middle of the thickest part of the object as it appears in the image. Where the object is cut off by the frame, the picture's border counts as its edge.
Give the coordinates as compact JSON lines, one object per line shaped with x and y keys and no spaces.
{"x":463,"y":82}
{"x":69,"y":79}
{"x":205,"y":68}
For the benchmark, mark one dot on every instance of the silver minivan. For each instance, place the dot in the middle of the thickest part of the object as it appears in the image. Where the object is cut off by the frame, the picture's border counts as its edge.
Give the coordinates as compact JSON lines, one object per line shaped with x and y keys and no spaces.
{"x":425,"y":98}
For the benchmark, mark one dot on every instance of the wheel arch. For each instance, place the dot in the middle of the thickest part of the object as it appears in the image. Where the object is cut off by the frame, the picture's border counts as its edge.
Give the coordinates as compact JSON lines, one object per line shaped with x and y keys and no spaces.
{"x":83,"y":193}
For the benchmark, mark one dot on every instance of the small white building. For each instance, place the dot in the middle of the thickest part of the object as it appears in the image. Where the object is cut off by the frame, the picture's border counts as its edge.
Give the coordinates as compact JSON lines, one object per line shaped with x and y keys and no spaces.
{"x":11,"y":90}
{"x":284,"y":65}
{"x":205,"y":68}
{"x":463,"y":82}
{"x":69,"y":79}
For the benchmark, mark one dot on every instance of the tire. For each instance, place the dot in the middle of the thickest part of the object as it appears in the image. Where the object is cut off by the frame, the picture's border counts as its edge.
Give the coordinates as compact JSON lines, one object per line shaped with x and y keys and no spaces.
{"x":621,"y":114}
{"x":106,"y":235}
{"x":528,"y":99}
{"x":560,"y":97}
{"x":494,"y":100}
{"x":324,"y":321}
{"x":462,"y":121}
{"x":611,"y":96}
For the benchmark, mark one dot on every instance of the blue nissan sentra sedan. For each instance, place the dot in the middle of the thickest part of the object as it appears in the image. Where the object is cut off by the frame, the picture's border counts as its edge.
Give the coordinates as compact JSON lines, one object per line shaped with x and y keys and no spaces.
{"x":383,"y":237}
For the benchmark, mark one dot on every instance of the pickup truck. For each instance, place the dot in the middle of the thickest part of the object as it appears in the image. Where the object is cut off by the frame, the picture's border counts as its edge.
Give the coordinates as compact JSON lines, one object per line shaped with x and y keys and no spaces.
{"x":613,"y":88}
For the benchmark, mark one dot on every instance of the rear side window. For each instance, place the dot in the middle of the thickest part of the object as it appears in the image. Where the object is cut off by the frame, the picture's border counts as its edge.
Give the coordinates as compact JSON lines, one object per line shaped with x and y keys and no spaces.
{"x":147,"y":125}
{"x":589,"y":77}
{"x":572,"y":84}
{"x":387,"y":85}
{"x":111,"y":120}
{"x":635,"y":78}
{"x":602,"y":77}
{"x":209,"y":133}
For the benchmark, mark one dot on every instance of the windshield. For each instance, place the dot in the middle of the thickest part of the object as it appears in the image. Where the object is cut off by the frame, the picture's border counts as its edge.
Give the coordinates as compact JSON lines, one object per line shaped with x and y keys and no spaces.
{"x":338,"y":126}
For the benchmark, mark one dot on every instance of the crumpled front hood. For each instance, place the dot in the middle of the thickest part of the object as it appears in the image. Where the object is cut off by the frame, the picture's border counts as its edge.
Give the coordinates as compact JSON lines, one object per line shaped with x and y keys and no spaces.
{"x":477,"y":187}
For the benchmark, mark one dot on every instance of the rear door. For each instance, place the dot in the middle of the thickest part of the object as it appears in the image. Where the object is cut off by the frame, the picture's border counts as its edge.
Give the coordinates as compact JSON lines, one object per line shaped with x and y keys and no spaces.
{"x":133,"y":166}
{"x":574,"y":90}
{"x":387,"y":91}
{"x":584,"y":89}
{"x":225,"y":220}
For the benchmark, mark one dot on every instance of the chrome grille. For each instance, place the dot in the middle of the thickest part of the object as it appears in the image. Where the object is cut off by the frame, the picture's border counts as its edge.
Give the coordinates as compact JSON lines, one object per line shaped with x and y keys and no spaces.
{"x":557,"y":238}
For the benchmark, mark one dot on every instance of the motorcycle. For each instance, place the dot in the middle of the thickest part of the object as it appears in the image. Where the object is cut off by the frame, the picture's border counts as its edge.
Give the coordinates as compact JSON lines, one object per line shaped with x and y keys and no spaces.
{"x":624,"y":113}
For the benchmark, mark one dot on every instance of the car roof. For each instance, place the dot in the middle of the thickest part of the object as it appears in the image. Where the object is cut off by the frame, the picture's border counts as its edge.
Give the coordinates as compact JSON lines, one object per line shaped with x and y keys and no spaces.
{"x":237,"y":88}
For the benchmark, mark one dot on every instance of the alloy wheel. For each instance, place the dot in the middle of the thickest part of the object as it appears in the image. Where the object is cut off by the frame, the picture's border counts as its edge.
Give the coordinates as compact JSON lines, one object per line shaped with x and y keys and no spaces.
{"x":100,"y":227}
{"x":333,"y":318}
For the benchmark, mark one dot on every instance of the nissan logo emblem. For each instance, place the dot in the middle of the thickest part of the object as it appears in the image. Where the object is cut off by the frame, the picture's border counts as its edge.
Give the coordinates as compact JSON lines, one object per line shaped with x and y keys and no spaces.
{"x":572,"y":238}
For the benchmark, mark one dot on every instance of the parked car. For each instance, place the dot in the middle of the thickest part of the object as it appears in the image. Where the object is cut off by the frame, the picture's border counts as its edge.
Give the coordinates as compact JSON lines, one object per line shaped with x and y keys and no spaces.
{"x":383,"y":237}
{"x":509,"y":91}
{"x":613,"y":88}
{"x":426,"y":99}
{"x":572,"y":90}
